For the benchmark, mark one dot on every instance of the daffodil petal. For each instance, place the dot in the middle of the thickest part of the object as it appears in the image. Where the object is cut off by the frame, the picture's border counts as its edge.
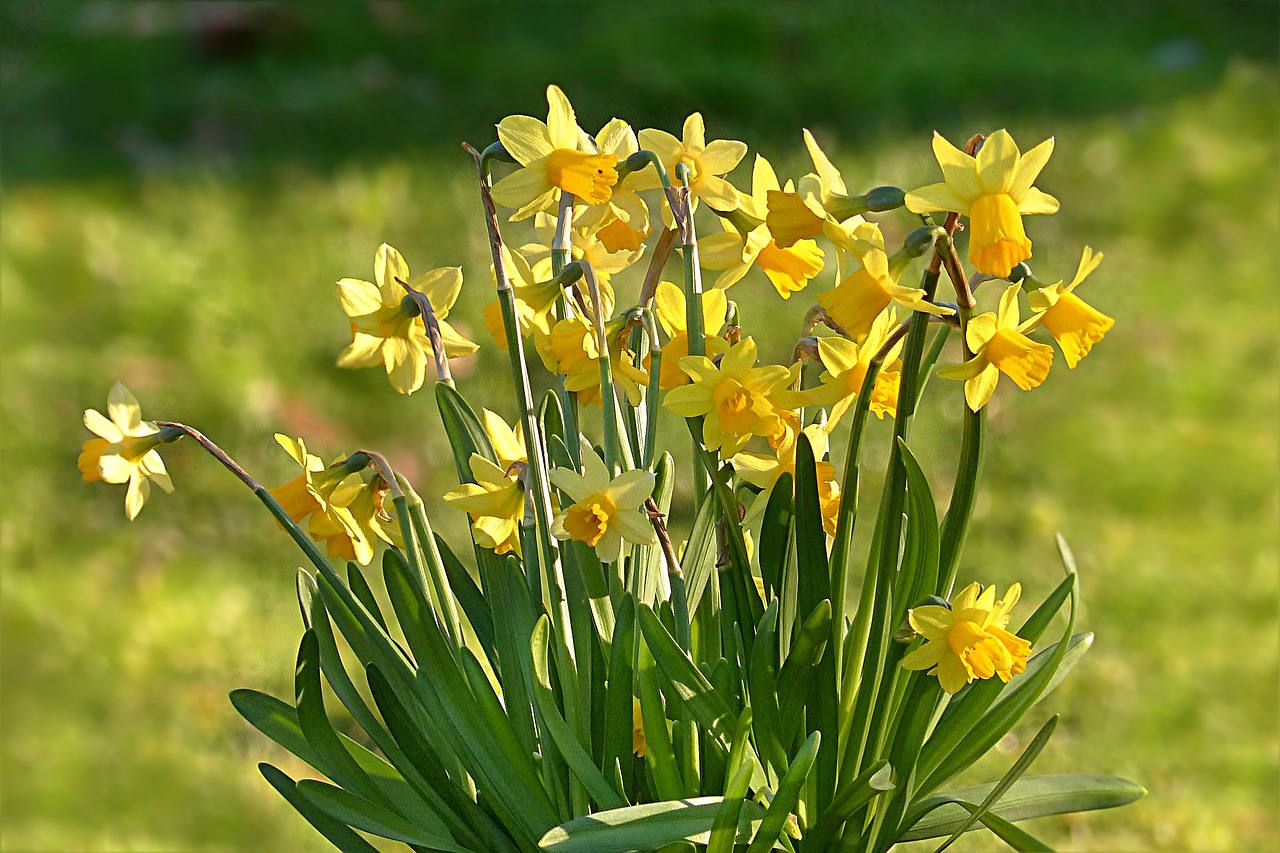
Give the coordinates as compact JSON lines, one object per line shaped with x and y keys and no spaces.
{"x":1036,"y":202}
{"x":996,"y":162}
{"x":958,"y":168}
{"x":934,"y":198}
{"x":100,"y":426}
{"x":1029,"y":168}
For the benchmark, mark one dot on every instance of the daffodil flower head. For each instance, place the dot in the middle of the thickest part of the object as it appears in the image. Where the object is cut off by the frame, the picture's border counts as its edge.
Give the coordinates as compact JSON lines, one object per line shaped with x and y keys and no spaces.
{"x":846,"y":365}
{"x":331,"y":498}
{"x":584,"y":245}
{"x":732,"y":395}
{"x":1075,"y":324}
{"x":621,"y":223}
{"x":806,"y":211}
{"x":605,"y":510}
{"x":968,"y":640}
{"x":495,"y":502}
{"x":385,"y":332}
{"x":995,"y":190}
{"x":555,"y":156}
{"x":670,"y":306}
{"x":124,"y":450}
{"x":534,"y":300}
{"x":1000,"y":345}
{"x":507,"y":442}
{"x":708,"y":164}
{"x":871,"y":286}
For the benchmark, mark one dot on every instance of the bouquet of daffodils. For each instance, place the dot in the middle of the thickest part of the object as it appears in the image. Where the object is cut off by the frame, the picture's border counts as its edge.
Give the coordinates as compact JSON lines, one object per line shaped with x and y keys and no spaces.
{"x":583,"y":680}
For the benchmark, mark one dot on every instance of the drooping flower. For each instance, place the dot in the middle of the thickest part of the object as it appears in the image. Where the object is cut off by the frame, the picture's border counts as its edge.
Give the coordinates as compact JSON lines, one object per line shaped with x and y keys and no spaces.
{"x":994,"y":190}
{"x":846,"y":366}
{"x":606,"y":510}
{"x":670,"y":306}
{"x":871,"y":286}
{"x":969,"y":640}
{"x":789,"y":269}
{"x":1000,"y":345}
{"x":708,"y":164}
{"x":124,"y":451}
{"x":733,"y":396}
{"x":533,"y":300}
{"x":555,"y":155}
{"x":385,"y":330}
{"x":573,"y":351}
{"x":495,"y":502}
{"x":1075,"y":324}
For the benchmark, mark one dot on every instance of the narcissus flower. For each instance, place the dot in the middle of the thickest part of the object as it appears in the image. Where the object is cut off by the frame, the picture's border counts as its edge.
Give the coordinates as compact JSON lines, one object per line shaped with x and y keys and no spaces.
{"x":968,"y":641}
{"x":734,"y":397}
{"x":495,"y":502}
{"x":606,"y":510}
{"x":508,"y":443}
{"x":995,"y":190}
{"x":1074,"y":324}
{"x":555,"y":155}
{"x":621,"y":223}
{"x":1000,"y":345}
{"x":789,"y":269}
{"x":804,"y":212}
{"x":846,"y":366}
{"x":763,"y":471}
{"x":858,"y":300}
{"x":385,"y":330}
{"x":669,"y":302}
{"x":572,"y":351}
{"x":708,"y":163}
{"x":124,"y":451}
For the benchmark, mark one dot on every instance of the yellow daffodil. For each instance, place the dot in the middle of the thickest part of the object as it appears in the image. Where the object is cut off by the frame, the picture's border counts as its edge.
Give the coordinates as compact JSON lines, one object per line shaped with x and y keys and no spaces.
{"x":994,"y":190}
{"x":763,"y":471}
{"x":124,"y":451}
{"x":858,"y":300}
{"x":621,"y":223}
{"x":794,"y":214}
{"x":708,"y":164}
{"x":534,"y":300}
{"x":670,"y":305}
{"x":1075,"y":324}
{"x":733,"y":396}
{"x":788,"y":269}
{"x":846,"y":366}
{"x":968,"y":641}
{"x":555,"y":155}
{"x":386,"y":331}
{"x":507,"y":442}
{"x":1000,"y":345}
{"x":495,"y":502}
{"x":605,"y":511}
{"x":344,"y":511}
{"x":572,"y":351}
{"x":584,"y":246}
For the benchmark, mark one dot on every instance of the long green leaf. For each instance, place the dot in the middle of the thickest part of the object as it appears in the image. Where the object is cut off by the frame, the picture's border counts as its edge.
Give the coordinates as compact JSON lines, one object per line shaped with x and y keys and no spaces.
{"x":699,"y":562}
{"x":811,"y":541}
{"x":369,"y":817}
{"x":1008,"y":832}
{"x":620,"y":692}
{"x":468,"y":593}
{"x":466,"y":433}
{"x":648,"y":827}
{"x":877,"y":778}
{"x":762,"y":683}
{"x":787,"y":796}
{"x":1029,"y":797}
{"x":336,"y":832}
{"x":775,"y":534}
{"x":724,"y":832}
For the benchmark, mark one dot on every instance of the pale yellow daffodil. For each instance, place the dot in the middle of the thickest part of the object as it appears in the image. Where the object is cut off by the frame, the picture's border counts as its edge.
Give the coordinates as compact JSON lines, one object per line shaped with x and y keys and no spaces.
{"x":534,"y":300}
{"x":789,"y":269}
{"x":708,"y":164}
{"x":871,"y":286}
{"x":670,"y":306}
{"x":605,"y":510}
{"x":584,"y":246}
{"x":846,"y":365}
{"x":794,"y":214}
{"x":124,"y":451}
{"x":572,"y":351}
{"x":968,"y":640}
{"x":994,"y":190}
{"x":1000,"y":345}
{"x":386,"y":332}
{"x":732,"y":395}
{"x":495,"y":502}
{"x":1075,"y":324}
{"x":555,"y":156}
{"x":621,"y":223}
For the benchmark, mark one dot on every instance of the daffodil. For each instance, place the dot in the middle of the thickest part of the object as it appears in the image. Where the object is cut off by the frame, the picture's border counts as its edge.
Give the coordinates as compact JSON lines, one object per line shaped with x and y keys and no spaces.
{"x":1075,"y":324}
{"x":1000,"y":345}
{"x":794,"y":214}
{"x":507,"y":442}
{"x":495,"y":502}
{"x":994,"y":190}
{"x":846,"y":364}
{"x":763,"y":471}
{"x":124,"y":451}
{"x":669,"y":303}
{"x":572,"y":351}
{"x":605,"y":510}
{"x":733,"y":396}
{"x":871,"y":286}
{"x":621,"y":223}
{"x":555,"y":156}
{"x":789,"y":269}
{"x":968,"y":640}
{"x":534,"y":300}
{"x":584,"y":245}
{"x":388,"y":330}
{"x":708,"y":164}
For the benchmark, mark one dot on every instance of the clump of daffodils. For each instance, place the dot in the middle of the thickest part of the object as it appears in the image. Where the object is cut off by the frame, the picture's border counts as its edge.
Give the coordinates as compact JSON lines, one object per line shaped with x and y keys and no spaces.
{"x":602,"y":667}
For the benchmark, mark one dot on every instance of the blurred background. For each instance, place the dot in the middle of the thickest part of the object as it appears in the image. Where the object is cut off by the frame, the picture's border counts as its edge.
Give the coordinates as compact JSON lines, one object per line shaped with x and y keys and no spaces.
{"x":183,"y":183}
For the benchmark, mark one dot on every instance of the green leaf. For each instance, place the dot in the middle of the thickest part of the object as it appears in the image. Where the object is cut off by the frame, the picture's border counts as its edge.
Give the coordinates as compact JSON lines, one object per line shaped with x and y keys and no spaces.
{"x":1015,"y":836}
{"x":363,"y":593}
{"x":724,"y":832}
{"x":762,"y":683}
{"x":648,"y":827}
{"x":468,"y":593}
{"x":775,"y":534}
{"x":806,"y":653}
{"x":336,"y":832}
{"x":919,"y":574}
{"x":811,"y":540}
{"x":691,"y":686}
{"x":372,"y":818}
{"x":699,"y":562}
{"x":574,"y":755}
{"x":466,"y":433}
{"x":618,"y":705}
{"x":1029,"y":797}
{"x":878,"y":777}
{"x":659,"y":754}
{"x":788,"y":794}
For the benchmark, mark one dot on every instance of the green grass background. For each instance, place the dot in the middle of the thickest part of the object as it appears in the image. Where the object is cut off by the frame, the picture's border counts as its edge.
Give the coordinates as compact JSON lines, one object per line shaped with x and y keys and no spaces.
{"x":183,"y":185}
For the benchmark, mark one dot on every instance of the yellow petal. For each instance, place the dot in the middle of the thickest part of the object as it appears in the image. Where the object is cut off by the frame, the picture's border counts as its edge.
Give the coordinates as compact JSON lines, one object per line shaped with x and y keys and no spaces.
{"x":562,"y":124}
{"x":525,"y":138}
{"x":1028,"y":169}
{"x":958,"y":168}
{"x":996,"y":160}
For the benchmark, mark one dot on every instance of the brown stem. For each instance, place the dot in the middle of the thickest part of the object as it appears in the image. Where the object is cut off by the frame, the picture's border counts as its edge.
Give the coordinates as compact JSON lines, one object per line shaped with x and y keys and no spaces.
{"x":215,"y":451}
{"x":661,"y":252}
{"x":432,"y":324}
{"x":658,"y":520}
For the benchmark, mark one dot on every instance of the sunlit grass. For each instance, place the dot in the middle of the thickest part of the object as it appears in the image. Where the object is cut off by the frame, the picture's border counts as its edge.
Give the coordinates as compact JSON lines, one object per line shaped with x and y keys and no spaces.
{"x":213,"y":300}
